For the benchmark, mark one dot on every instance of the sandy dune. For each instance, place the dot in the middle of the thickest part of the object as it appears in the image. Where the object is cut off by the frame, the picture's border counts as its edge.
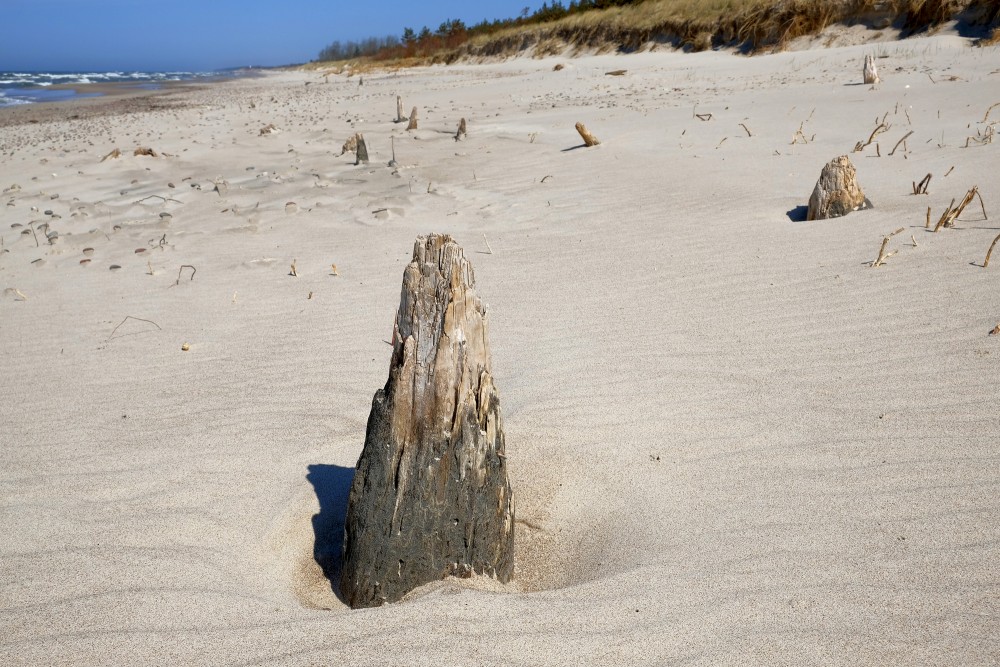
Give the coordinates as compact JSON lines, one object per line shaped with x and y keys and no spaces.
{"x":731,"y":440}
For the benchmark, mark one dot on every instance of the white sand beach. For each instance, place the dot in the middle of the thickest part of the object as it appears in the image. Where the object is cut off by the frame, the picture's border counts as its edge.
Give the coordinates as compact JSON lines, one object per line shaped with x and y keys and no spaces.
{"x":732,"y":441}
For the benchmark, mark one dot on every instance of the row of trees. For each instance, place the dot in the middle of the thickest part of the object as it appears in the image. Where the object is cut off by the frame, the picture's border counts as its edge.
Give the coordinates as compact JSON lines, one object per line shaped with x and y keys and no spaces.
{"x":453,"y":32}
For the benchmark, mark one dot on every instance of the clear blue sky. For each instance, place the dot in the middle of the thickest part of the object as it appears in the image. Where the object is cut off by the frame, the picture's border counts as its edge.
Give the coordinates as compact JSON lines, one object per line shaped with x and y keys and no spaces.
{"x":163,"y":35}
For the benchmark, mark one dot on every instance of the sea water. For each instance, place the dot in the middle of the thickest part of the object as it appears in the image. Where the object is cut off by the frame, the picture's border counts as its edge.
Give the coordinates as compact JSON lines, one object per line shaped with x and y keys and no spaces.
{"x":29,"y":87}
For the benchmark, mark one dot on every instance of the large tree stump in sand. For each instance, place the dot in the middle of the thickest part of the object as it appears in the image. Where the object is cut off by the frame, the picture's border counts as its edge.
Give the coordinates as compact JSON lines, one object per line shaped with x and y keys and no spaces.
{"x":869,"y":71}
{"x":430,"y":496}
{"x":837,"y":191}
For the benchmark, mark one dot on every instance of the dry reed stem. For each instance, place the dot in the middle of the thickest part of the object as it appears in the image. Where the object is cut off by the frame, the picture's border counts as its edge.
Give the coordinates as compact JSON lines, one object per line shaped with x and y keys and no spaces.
{"x":992,"y":107}
{"x":949,"y":171}
{"x":703,"y":116}
{"x":880,"y":260}
{"x":986,"y":262}
{"x":749,"y":134}
{"x":588,"y":138}
{"x":879,"y":129}
{"x":463,"y":130}
{"x":944,"y":216}
{"x":921,"y":187}
{"x":899,"y":142}
{"x":487,"y":244}
{"x":129,"y":317}
{"x":113,"y":155}
{"x":294,"y":273}
{"x":413,"y":120}
{"x":185,"y":266}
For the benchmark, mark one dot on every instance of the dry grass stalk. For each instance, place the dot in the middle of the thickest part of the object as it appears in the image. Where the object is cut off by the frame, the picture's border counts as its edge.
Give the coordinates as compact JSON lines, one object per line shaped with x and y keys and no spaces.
{"x":882,"y":255}
{"x":268,"y":129}
{"x":949,"y":171}
{"x":487,"y":244}
{"x":113,"y":155}
{"x":986,"y":262}
{"x":333,"y":270}
{"x":129,"y":317}
{"x":901,"y":141}
{"x":588,"y":138}
{"x":703,"y":116}
{"x":463,"y":130}
{"x":986,"y":117}
{"x":293,"y":272}
{"x":413,"y":120}
{"x":148,"y":152}
{"x":879,"y":129}
{"x":945,"y":217}
{"x":399,"y":110}
{"x":617,"y":72}
{"x":749,"y":134}
{"x":927,"y":225}
{"x":951,"y":214}
{"x":180,"y":270}
{"x":921,"y":187}
{"x":800,"y":137}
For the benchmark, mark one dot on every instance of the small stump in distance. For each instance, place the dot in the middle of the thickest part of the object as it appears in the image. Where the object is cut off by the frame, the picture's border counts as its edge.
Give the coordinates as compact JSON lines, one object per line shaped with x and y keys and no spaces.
{"x":869,"y":71}
{"x":837,"y":191}
{"x":588,"y":138}
{"x":430,"y":496}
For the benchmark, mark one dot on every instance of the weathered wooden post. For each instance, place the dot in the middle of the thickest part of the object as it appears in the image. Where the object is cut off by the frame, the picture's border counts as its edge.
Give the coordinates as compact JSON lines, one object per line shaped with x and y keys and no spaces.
{"x":430,"y":496}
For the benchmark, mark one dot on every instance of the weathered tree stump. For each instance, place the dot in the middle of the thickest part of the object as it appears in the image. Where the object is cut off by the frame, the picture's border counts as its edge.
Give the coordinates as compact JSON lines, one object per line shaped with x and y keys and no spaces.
{"x":462,"y":130}
{"x":413,"y":120}
{"x":837,"y":191}
{"x":399,"y":110}
{"x":869,"y":71}
{"x":588,"y":138}
{"x":430,"y":496}
{"x":361,"y":154}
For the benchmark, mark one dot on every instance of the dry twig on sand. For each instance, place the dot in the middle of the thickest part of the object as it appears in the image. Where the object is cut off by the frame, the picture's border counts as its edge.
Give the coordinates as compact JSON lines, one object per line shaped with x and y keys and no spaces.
{"x":921,"y":187}
{"x":879,"y":129}
{"x":993,"y":106}
{"x":113,"y":155}
{"x":180,"y":270}
{"x":882,"y":255}
{"x":901,"y":141}
{"x":749,"y":134}
{"x":986,"y":262}
{"x":951,"y":214}
{"x":294,"y":272}
{"x":129,"y":317}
